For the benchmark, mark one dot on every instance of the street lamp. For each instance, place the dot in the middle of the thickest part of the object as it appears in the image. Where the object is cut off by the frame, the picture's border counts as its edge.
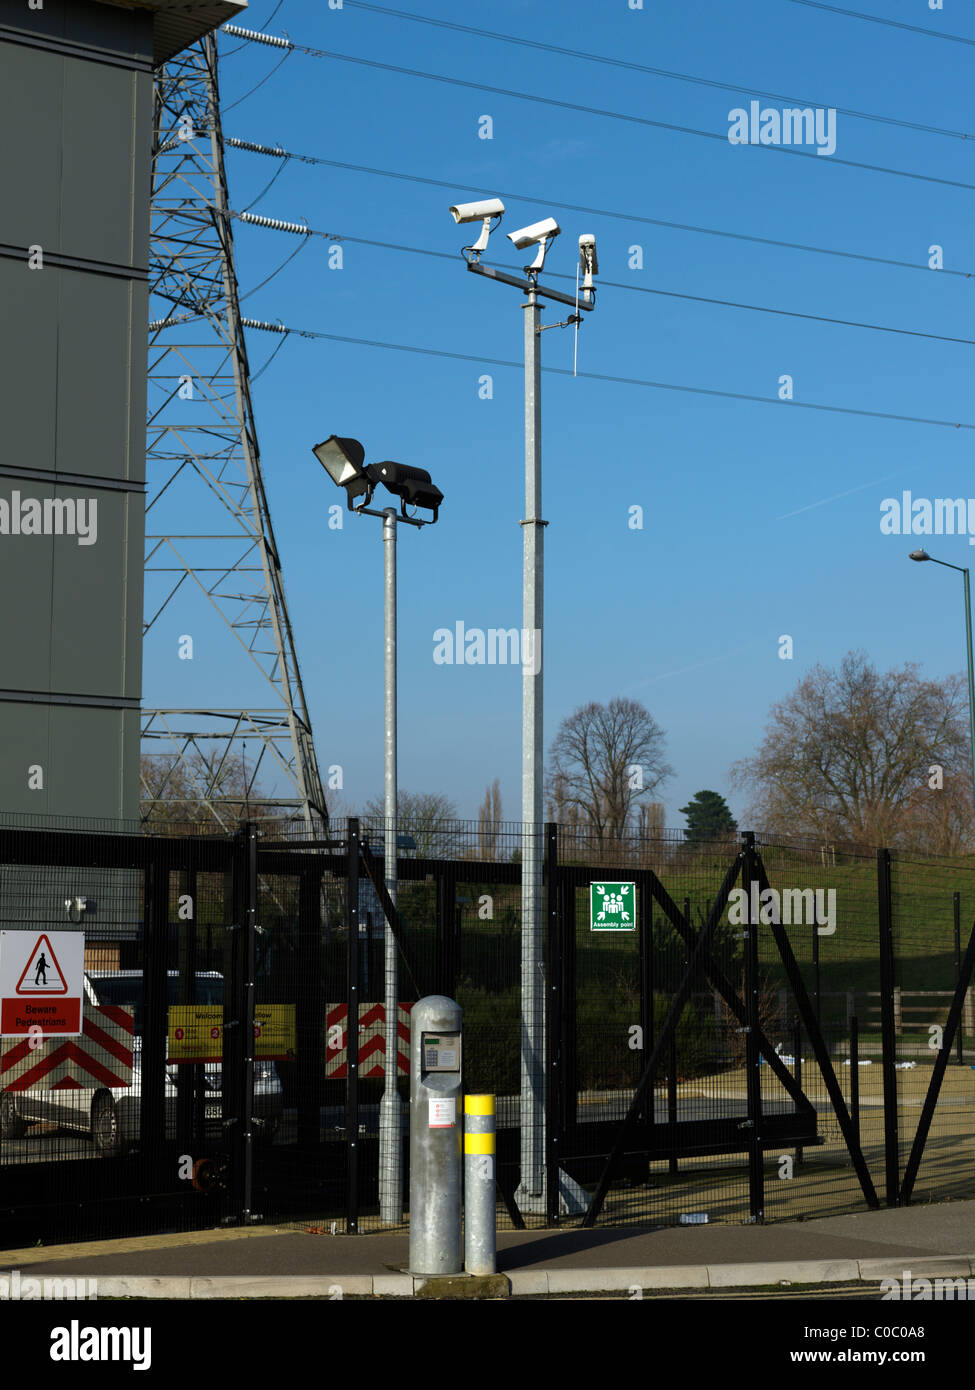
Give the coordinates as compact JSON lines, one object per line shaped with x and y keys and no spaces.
{"x":344,"y":461}
{"x":921,"y":555}
{"x":540,"y":235}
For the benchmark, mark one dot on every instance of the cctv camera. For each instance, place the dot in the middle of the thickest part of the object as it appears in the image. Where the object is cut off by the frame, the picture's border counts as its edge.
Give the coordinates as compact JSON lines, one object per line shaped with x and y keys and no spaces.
{"x":476,"y":212}
{"x":482,"y":212}
{"x":589,"y":264}
{"x":537,"y":232}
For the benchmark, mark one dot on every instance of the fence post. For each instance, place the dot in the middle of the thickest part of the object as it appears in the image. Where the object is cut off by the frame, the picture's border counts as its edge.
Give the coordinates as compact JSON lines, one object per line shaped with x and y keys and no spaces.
{"x":155,"y":941}
{"x":888,"y":1027}
{"x":855,"y":1075}
{"x":645,"y":918}
{"x":352,"y":1027}
{"x":956,"y":912}
{"x":554,"y":1108}
{"x":310,"y":1008}
{"x":189,"y":1077}
{"x":753,"y":1080}
{"x":797,"y":1068}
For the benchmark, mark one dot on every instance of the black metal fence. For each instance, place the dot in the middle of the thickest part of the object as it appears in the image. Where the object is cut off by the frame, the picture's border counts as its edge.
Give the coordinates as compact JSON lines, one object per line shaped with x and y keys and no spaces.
{"x":749,"y":1030}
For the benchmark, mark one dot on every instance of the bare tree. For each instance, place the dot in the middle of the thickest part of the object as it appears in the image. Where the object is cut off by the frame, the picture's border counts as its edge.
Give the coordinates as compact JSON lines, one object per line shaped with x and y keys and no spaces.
{"x":606,"y":762}
{"x":849,"y":756}
{"x":209,"y":793}
{"x":429,"y":817}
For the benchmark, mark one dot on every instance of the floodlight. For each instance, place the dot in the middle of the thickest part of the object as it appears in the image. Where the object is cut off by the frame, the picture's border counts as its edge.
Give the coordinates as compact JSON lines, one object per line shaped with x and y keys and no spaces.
{"x":343,"y":461}
{"x":412,"y":486}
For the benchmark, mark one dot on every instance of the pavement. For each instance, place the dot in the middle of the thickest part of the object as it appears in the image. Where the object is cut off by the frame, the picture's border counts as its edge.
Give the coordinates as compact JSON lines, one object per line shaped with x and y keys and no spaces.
{"x":929,"y":1241}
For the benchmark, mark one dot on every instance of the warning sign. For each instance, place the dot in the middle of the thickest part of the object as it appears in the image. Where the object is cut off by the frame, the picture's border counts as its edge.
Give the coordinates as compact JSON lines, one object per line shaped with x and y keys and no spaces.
{"x":443,"y":1112}
{"x":41,"y":983}
{"x":196,"y":1032}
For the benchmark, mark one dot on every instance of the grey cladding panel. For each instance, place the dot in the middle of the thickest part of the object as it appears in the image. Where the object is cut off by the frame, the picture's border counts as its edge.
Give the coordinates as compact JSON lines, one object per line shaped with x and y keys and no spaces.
{"x":98,"y":131}
{"x":28,"y":365}
{"x":30,"y":156}
{"x":103,"y":27}
{"x":24,"y":740}
{"x":87,"y":609}
{"x":86,"y":758}
{"x":94,"y":376}
{"x":25,"y":625}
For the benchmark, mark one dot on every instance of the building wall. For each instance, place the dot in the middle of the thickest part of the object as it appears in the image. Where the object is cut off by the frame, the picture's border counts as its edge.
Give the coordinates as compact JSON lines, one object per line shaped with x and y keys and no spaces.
{"x":76,"y":113}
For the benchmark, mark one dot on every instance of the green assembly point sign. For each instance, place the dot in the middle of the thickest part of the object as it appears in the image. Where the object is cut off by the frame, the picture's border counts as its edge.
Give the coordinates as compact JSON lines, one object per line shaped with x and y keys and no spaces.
{"x":612,"y":906}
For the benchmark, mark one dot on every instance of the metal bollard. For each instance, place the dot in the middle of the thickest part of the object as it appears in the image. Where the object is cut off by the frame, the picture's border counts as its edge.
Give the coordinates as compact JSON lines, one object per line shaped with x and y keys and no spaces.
{"x":480,"y":1202}
{"x":435,"y":1135}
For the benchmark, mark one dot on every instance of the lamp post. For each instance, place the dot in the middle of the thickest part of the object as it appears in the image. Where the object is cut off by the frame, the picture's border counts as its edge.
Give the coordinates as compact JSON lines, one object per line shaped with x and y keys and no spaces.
{"x":343,"y":460}
{"x":921,"y":555}
{"x":539,"y":235}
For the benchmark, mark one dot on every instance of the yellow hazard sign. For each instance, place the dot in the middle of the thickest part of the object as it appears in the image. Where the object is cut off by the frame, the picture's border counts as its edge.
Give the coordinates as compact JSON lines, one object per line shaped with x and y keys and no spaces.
{"x":196,"y":1032}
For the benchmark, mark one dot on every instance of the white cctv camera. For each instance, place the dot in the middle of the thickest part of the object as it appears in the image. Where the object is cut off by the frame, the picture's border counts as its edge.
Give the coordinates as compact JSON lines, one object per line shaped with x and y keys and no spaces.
{"x":588,"y":262}
{"x":538,"y":234}
{"x":476,"y":212}
{"x":482,"y":211}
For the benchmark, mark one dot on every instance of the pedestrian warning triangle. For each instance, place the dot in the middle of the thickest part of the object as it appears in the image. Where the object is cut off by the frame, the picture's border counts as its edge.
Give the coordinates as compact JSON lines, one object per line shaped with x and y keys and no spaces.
{"x":42,"y":974}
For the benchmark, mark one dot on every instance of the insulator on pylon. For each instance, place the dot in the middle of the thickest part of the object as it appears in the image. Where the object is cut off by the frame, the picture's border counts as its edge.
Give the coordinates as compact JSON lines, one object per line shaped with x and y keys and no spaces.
{"x":255,"y":37}
{"x":298,"y":227}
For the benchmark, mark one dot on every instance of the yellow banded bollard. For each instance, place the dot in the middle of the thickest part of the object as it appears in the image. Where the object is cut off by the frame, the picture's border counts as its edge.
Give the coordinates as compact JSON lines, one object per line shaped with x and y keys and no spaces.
{"x":480,"y":1201}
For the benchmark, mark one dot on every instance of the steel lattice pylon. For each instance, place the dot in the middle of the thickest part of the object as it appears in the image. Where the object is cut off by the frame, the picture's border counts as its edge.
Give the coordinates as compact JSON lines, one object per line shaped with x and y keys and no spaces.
{"x":203,"y":468}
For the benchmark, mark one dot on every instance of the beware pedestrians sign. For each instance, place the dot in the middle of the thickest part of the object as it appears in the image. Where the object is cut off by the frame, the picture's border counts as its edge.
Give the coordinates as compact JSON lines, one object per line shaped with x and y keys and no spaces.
{"x":41,"y":983}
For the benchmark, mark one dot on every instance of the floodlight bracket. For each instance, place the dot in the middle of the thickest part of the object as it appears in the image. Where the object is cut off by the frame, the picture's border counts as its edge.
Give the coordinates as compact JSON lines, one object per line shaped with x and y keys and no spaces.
{"x":410,"y":520}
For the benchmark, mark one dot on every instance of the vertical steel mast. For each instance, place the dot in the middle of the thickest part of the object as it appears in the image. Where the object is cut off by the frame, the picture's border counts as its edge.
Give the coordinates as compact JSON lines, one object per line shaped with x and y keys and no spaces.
{"x":208,"y":524}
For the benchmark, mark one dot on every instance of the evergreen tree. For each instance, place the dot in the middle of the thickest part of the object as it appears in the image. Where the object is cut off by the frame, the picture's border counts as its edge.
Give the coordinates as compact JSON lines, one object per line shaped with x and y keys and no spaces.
{"x":708,"y":817}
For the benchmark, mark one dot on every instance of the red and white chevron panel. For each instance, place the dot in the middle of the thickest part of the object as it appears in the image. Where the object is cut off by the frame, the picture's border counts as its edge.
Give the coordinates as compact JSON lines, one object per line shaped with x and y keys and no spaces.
{"x":372,"y":1040}
{"x":101,"y":1056}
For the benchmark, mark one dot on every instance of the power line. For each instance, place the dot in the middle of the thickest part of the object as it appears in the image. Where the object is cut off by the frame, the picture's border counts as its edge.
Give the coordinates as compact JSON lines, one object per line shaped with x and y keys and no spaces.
{"x":585,"y":110}
{"x":279,"y":153}
{"x":268,"y":327}
{"x":650,"y":71}
{"x":301,"y":229}
{"x":878,"y":19}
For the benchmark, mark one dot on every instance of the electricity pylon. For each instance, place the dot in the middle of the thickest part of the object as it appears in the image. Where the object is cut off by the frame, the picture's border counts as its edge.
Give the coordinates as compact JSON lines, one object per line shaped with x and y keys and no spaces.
{"x":208,"y":524}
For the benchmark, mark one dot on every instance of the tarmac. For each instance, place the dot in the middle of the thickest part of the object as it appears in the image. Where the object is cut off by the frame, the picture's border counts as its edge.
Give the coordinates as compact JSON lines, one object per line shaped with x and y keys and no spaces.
{"x":922,"y":1242}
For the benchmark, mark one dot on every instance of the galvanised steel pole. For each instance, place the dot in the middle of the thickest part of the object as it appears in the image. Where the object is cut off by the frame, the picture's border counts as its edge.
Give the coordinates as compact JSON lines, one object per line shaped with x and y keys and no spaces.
{"x":390,"y":1122}
{"x":971,"y":677}
{"x":923,"y":555}
{"x":532,"y":983}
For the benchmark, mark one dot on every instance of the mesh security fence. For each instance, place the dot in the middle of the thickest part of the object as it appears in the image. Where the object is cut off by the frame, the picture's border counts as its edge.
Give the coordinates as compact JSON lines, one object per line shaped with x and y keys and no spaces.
{"x":675,"y":1033}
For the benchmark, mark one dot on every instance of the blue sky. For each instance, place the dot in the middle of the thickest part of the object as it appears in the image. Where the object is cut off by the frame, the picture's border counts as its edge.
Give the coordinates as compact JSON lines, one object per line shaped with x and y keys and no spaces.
{"x":760,"y":519}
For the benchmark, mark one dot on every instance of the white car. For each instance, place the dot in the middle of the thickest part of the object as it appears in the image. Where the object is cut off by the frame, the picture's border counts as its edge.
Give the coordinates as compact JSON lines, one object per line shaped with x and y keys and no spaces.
{"x":111,"y":1116}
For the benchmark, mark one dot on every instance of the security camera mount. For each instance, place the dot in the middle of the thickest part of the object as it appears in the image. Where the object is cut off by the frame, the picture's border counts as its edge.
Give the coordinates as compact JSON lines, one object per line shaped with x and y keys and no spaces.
{"x":529,"y":285}
{"x":473,"y":253}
